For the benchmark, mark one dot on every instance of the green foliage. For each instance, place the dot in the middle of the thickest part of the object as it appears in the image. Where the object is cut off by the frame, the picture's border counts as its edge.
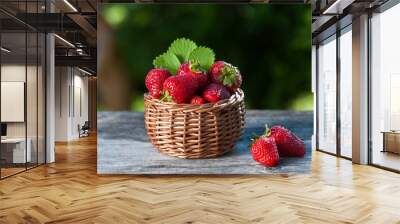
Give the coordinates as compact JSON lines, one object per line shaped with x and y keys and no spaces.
{"x":270,"y":44}
{"x":182,"y":48}
{"x":303,"y":102}
{"x":116,"y":14}
{"x":204,"y":56}
{"x":167,"y":61}
{"x":137,"y":104}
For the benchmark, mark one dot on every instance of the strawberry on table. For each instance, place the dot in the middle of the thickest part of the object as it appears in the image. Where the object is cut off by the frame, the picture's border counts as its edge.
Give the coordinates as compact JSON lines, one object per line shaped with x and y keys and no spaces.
{"x":289,"y":145}
{"x":179,"y":89}
{"x":226,"y":74}
{"x":154,"y":81}
{"x":215,"y":92}
{"x":197,"y":100}
{"x":196,"y":71}
{"x":264,"y":151}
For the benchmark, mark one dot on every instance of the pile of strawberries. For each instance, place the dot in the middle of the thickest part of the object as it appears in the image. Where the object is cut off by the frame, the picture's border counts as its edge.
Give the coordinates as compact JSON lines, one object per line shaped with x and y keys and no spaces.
{"x":187,"y":73}
{"x":276,"y":142}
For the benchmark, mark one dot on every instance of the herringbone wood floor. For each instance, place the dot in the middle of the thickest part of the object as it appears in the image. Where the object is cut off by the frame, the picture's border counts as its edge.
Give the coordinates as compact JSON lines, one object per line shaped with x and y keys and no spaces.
{"x":70,"y":191}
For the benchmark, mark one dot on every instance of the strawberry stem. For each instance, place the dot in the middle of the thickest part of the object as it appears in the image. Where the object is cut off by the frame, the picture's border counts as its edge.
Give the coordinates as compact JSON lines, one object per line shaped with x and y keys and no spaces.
{"x":166,"y":97}
{"x":254,"y":137}
{"x":195,"y":66}
{"x":267,"y":132}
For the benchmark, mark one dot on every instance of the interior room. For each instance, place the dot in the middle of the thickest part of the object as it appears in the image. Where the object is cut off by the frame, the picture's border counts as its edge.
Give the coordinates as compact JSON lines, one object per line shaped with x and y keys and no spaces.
{"x":47,"y":84}
{"x":22,"y":99}
{"x":50,"y":106}
{"x":72,"y":103}
{"x":335,"y":81}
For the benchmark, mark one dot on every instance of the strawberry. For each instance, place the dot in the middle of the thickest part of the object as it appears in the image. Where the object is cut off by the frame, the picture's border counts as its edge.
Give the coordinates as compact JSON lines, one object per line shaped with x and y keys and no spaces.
{"x":226,"y":74}
{"x":215,"y":92}
{"x":197,"y":100}
{"x":179,"y":89}
{"x":154,"y":81}
{"x":288,"y":143}
{"x":194,"y":70}
{"x":264,"y":151}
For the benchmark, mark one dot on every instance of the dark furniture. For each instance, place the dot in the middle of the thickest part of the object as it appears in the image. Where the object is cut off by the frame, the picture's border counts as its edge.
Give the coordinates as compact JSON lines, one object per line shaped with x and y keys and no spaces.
{"x":3,"y":129}
{"x":84,"y":129}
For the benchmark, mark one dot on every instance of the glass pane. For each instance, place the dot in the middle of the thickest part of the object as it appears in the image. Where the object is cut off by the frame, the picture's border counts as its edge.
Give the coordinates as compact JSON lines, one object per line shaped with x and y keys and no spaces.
{"x":31,"y":97}
{"x":327,"y":96}
{"x":31,"y":88}
{"x":346,"y":94}
{"x":385,"y":83}
{"x":14,"y":153}
{"x":41,"y":99}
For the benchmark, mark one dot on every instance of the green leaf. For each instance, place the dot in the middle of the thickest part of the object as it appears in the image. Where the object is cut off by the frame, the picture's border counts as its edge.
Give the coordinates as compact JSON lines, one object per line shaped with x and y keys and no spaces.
{"x":167,"y":61}
{"x":182,"y":48}
{"x":204,"y":56}
{"x":166,"y":97}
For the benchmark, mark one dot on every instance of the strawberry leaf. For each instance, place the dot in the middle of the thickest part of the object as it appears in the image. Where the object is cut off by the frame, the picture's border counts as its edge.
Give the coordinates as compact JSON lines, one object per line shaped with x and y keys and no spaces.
{"x":182,"y":48}
{"x":204,"y":56}
{"x":228,"y":77}
{"x":167,"y":61}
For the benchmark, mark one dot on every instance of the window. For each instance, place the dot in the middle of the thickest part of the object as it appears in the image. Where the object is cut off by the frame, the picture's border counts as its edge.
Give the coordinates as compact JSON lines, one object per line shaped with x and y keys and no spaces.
{"x":22,"y":77}
{"x":385,"y":89}
{"x":346,"y":92}
{"x":334,"y":106}
{"x":327,"y":95}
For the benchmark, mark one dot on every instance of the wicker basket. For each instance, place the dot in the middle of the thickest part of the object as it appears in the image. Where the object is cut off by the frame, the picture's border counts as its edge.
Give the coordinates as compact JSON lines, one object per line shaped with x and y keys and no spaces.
{"x":195,"y":131}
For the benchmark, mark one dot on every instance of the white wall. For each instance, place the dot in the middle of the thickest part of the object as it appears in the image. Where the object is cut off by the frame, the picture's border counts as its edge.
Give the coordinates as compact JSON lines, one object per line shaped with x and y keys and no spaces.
{"x":62,"y":81}
{"x":80,"y":109}
{"x":33,"y":126}
{"x":16,"y":73}
{"x":71,"y":102}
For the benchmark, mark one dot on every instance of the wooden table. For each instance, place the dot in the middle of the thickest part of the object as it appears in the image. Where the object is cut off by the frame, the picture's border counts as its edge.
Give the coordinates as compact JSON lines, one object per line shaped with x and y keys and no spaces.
{"x":123,"y":147}
{"x":391,"y":141}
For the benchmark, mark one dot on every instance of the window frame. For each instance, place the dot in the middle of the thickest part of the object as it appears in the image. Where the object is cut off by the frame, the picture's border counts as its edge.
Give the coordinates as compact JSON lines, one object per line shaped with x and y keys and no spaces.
{"x":339,"y":32}
{"x":27,"y":29}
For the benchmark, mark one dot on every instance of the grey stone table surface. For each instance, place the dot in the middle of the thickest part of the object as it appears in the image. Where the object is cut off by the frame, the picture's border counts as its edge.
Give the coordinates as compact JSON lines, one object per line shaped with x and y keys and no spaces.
{"x":124,"y":148}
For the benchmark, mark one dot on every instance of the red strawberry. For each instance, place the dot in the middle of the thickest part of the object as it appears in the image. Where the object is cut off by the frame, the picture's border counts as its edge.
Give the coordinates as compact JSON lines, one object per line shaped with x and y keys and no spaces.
{"x":179,"y":89}
{"x":226,"y":74}
{"x":288,"y":143}
{"x":154,"y":81}
{"x":194,"y":70}
{"x":264,"y":151}
{"x":215,"y":92}
{"x":197,"y":100}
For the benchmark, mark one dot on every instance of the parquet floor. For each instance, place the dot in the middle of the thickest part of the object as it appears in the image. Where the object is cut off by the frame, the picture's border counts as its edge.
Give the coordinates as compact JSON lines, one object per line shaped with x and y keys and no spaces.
{"x":69,"y":191}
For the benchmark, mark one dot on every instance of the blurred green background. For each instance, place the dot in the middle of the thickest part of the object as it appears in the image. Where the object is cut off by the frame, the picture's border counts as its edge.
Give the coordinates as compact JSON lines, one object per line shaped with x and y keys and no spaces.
{"x":270,"y":44}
